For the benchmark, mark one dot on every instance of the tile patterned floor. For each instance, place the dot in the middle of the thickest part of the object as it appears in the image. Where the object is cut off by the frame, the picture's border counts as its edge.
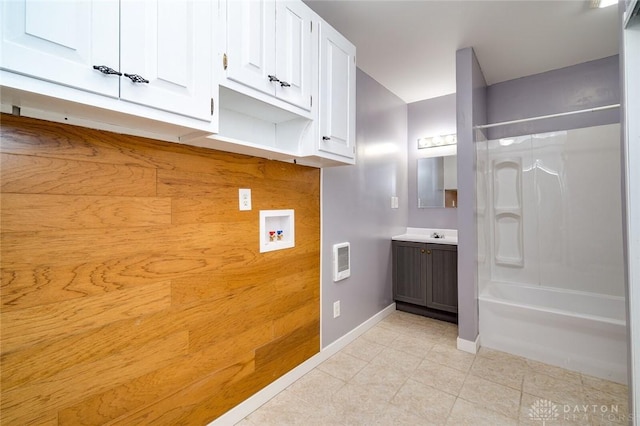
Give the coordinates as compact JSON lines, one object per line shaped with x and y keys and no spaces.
{"x":407,"y":371}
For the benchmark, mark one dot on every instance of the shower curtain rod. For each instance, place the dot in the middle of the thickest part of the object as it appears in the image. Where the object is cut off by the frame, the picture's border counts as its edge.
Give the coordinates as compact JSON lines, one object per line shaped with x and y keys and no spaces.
{"x":542,"y":117}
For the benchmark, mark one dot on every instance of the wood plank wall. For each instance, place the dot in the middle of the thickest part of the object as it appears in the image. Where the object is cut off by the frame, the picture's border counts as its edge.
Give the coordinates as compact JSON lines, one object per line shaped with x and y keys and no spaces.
{"x":133,"y":290}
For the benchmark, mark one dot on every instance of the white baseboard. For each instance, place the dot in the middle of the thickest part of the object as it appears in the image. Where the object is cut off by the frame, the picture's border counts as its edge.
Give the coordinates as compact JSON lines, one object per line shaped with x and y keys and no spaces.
{"x":468,"y":345}
{"x":254,"y":402}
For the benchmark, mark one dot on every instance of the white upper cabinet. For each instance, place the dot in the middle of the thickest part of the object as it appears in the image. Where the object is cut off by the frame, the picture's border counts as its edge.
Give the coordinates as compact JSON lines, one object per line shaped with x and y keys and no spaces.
{"x":337,"y":86}
{"x":269,"y":48}
{"x":151,"y":53}
{"x":293,"y":52}
{"x":168,"y":44}
{"x":251,"y":38}
{"x":290,"y":86}
{"x":61,"y":42}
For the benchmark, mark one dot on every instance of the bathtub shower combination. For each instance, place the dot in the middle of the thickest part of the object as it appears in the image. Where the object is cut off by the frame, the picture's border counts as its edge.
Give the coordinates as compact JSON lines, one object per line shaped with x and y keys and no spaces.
{"x":550,"y":259}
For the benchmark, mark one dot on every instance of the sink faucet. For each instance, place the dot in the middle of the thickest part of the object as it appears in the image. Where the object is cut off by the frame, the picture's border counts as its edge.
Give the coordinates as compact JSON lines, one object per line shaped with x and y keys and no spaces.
{"x":437,"y":235}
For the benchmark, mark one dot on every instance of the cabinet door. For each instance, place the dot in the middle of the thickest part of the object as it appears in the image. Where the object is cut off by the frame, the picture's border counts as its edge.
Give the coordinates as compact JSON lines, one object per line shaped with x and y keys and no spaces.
{"x":169,"y":43}
{"x":409,"y":272}
{"x":442,"y":277}
{"x":293,"y":53}
{"x":337,"y":117}
{"x":251,"y":38}
{"x":61,"y":41}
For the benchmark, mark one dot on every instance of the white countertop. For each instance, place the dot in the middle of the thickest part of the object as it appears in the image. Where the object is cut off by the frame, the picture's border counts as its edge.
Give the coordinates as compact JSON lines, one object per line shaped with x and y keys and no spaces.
{"x":425,"y":235}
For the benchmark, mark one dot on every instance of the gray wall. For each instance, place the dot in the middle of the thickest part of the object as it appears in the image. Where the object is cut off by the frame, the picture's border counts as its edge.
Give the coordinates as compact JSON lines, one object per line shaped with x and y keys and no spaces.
{"x":471,"y":111}
{"x":356,"y":207}
{"x":583,"y":86}
{"x":431,"y":117}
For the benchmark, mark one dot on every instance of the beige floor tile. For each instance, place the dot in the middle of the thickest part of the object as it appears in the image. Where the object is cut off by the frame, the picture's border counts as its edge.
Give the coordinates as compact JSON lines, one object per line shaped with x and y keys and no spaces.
{"x":356,"y":404}
{"x":286,"y":409}
{"x":557,"y":389}
{"x":450,"y":333}
{"x":397,"y":416}
{"x":415,"y":325}
{"x":424,"y":401}
{"x":316,"y":386}
{"x":591,"y":412}
{"x":451,"y":357}
{"x":424,"y":331}
{"x":411,"y":329}
{"x":604,"y":407}
{"x":499,"y":355}
{"x":611,"y":419}
{"x":380,"y":380}
{"x":448,"y":340}
{"x":381,"y":335}
{"x":401,"y":318}
{"x":495,"y":397}
{"x":407,"y":371}
{"x":363,"y":348}
{"x":441,"y":377}
{"x":505,"y":371}
{"x":465,"y":413}
{"x":397,"y":360}
{"x":415,"y":345}
{"x":554,"y":371}
{"x":433,"y":323}
{"x":534,"y":410}
{"x":616,"y":389}
{"x":342,"y":366}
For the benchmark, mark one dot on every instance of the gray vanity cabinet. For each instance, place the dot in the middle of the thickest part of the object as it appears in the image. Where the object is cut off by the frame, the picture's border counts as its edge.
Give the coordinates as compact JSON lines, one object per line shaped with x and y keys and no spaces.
{"x":442,"y":277}
{"x":410,"y":272}
{"x":425,"y":279}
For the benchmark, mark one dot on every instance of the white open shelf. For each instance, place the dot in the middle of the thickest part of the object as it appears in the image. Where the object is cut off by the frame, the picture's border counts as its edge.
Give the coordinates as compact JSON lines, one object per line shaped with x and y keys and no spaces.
{"x":277,"y":230}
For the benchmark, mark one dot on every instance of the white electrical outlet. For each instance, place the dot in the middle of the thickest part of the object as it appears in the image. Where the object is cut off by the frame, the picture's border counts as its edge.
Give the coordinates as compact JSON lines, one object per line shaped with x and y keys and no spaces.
{"x":244,"y":196}
{"x":336,"y":309}
{"x":394,"y":202}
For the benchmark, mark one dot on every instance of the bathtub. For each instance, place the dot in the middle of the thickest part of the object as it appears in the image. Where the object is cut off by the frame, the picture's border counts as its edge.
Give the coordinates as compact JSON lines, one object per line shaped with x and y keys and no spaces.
{"x":579,"y":331}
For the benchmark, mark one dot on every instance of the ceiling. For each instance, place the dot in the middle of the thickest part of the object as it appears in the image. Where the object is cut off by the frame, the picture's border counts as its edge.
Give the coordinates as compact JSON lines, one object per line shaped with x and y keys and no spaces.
{"x":409,"y":46}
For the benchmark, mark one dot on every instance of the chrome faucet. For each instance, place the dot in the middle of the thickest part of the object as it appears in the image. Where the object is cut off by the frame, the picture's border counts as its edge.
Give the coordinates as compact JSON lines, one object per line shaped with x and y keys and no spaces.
{"x":437,"y":235}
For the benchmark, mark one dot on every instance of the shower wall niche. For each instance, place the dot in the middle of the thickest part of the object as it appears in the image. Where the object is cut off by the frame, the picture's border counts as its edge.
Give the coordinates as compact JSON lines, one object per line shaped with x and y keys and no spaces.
{"x":507,"y":211}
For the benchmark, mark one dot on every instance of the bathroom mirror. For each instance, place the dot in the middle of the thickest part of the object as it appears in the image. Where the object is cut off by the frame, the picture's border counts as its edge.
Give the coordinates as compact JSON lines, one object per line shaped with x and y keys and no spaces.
{"x":438,"y":182}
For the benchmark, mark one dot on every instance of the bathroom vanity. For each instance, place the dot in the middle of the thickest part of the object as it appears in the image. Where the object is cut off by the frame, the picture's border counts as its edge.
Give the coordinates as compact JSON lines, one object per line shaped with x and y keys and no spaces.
{"x":425,"y":273}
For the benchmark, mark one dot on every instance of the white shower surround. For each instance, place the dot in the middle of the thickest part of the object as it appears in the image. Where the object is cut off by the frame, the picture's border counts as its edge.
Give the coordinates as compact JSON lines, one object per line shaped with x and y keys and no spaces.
{"x":550,"y":260}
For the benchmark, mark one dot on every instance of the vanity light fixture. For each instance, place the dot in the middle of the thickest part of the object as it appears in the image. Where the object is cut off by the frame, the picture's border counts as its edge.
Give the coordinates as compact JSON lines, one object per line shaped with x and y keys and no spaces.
{"x":435,"y":141}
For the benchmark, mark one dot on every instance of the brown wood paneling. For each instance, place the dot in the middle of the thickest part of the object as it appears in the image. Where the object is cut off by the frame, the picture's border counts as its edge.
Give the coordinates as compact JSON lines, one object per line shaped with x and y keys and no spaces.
{"x":281,"y":347}
{"x":39,"y":323}
{"x":279,"y":355}
{"x":149,"y":388}
{"x":78,"y":380}
{"x":36,"y":212}
{"x":133,"y":290}
{"x":25,"y":174}
{"x":220,"y":284}
{"x":295,"y":319}
{"x":191,"y":404}
{"x":30,"y":283}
